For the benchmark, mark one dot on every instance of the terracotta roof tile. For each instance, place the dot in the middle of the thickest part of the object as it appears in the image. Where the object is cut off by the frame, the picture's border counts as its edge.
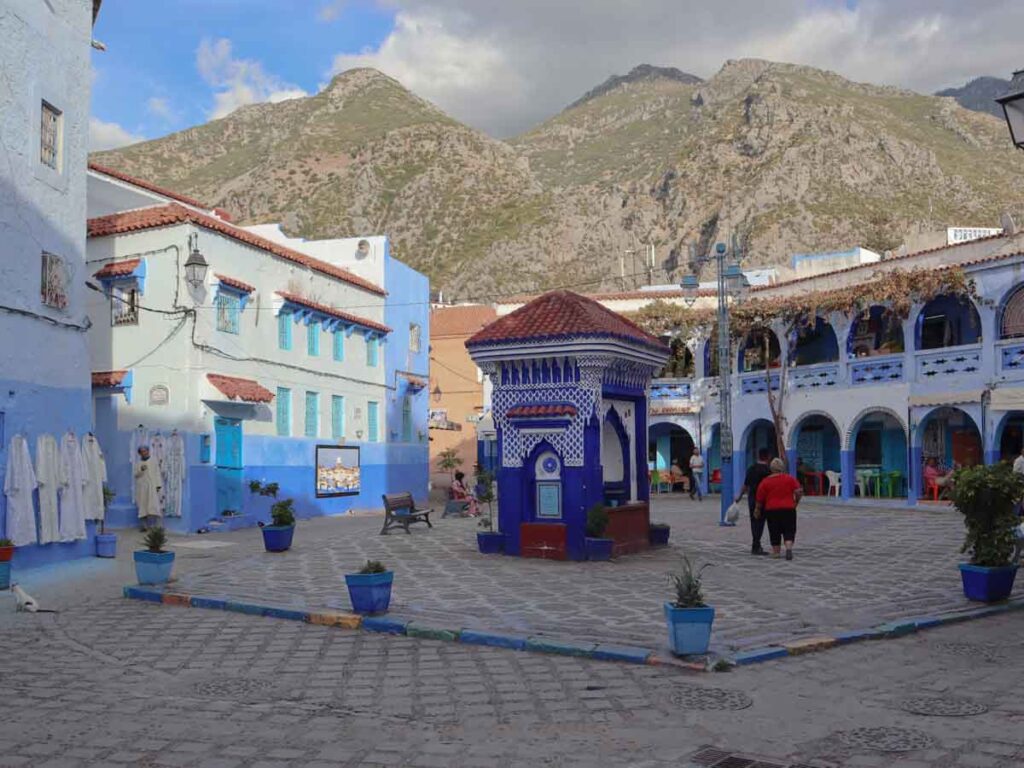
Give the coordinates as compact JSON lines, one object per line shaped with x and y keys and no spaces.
{"x":101,"y":379}
{"x":294,"y":298}
{"x":418,"y":382}
{"x":118,"y":268}
{"x":560,"y":315}
{"x":240,"y":389}
{"x":533,"y":411}
{"x":172,"y":213}
{"x":142,"y":184}
{"x":460,"y":320}
{"x":235,"y":283}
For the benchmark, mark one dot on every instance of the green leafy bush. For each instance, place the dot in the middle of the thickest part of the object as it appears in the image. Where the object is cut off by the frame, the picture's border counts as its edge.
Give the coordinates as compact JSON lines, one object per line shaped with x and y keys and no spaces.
{"x":687,"y":583}
{"x":6,"y":543}
{"x":155,"y":539}
{"x":985,"y":496}
{"x":597,"y":521}
{"x":282,"y":513}
{"x":373,"y":566}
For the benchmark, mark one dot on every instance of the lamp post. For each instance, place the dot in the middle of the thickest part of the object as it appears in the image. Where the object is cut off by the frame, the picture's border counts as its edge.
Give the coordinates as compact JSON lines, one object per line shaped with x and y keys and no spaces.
{"x":731,"y":283}
{"x":196,"y":265}
{"x":1012,"y":103}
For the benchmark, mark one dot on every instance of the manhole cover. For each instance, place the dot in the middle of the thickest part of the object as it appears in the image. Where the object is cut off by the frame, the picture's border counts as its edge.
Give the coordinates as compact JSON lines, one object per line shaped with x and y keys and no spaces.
{"x":886,"y":739}
{"x":698,"y":697}
{"x":232,"y":687}
{"x":942,"y":706}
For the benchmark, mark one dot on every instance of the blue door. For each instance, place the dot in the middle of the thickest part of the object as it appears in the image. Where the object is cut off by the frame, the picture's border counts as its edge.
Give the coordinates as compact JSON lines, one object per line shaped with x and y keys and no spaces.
{"x":229,"y":464}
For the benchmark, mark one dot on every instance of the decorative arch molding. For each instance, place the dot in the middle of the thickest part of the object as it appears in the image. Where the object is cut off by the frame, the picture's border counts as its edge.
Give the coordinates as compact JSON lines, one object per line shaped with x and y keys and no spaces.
{"x":798,"y":423}
{"x":935,"y":408}
{"x":855,"y":423}
{"x":1010,"y":313}
{"x":745,"y":434}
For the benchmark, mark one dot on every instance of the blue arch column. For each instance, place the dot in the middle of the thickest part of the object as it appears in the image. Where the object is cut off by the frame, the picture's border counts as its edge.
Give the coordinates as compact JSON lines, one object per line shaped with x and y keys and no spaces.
{"x":791,"y":457}
{"x":705,"y":480}
{"x":915,"y":475}
{"x":848,"y":470}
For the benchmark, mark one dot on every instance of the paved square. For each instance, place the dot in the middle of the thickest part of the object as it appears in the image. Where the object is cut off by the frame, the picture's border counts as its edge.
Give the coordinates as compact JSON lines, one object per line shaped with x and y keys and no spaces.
{"x":855,"y":567}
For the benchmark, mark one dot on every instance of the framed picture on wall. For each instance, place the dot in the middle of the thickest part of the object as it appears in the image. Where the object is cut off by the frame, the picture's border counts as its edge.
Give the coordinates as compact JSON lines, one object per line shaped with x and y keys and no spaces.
{"x":337,"y":471}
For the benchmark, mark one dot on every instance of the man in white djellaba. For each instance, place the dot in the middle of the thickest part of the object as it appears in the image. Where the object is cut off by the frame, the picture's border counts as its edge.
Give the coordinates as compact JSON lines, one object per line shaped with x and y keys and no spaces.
{"x":147,"y":489}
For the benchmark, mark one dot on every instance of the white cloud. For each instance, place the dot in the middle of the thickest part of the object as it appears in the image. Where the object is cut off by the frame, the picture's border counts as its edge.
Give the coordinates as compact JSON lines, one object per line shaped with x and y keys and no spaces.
{"x":238,"y":81}
{"x":161,"y":107}
{"x":104,"y":135}
{"x":505,"y":66}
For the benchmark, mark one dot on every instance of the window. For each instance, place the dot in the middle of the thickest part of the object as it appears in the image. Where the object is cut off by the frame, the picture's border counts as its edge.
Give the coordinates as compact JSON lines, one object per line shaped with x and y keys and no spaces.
{"x":339,"y":346}
{"x":284,"y":412}
{"x":313,"y":339}
{"x":49,"y":136}
{"x":414,"y":337}
{"x":371,"y":422}
{"x":54,"y":283}
{"x":372,"y":351}
{"x":337,"y":417}
{"x":407,"y":419}
{"x":229,"y":305}
{"x":312,"y":414}
{"x":284,"y":330}
{"x":124,"y":304}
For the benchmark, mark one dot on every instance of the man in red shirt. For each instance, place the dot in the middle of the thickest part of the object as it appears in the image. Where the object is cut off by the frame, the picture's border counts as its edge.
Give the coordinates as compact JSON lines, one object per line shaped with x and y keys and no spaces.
{"x":777,"y":499}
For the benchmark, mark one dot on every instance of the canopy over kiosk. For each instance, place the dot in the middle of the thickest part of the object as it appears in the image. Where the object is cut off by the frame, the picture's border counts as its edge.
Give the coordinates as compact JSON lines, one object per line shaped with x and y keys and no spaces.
{"x":570,"y":410}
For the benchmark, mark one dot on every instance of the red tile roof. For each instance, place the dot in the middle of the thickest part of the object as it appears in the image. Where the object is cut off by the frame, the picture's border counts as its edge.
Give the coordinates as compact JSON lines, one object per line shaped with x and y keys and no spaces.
{"x":234,"y":283}
{"x":563,"y":314}
{"x":460,"y":320}
{"x":532,"y":411}
{"x":172,"y":213}
{"x":115,"y":174}
{"x":101,"y":379}
{"x":294,"y":298}
{"x":118,"y":268}
{"x":417,"y":382}
{"x":240,"y":389}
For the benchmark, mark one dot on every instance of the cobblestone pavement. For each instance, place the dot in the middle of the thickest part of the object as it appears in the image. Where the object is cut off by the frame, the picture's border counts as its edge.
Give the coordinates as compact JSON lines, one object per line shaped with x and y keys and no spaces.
{"x":112,"y":682}
{"x":855,"y":567}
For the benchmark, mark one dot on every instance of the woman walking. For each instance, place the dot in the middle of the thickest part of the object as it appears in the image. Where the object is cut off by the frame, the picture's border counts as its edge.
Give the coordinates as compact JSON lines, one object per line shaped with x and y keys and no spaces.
{"x":777,"y":499}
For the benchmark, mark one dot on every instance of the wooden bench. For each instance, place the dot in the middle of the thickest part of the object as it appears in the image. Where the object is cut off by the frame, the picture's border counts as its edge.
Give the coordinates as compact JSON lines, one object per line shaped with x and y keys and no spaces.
{"x":400,"y":510}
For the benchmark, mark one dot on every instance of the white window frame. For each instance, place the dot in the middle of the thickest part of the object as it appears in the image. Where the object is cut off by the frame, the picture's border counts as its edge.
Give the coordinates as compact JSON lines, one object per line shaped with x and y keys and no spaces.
{"x":45,"y":107}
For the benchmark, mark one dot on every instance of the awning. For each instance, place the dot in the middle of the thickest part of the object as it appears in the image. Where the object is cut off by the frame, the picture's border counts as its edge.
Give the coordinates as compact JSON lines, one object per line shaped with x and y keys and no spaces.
{"x":234,"y":388}
{"x":1010,"y":399}
{"x":946,"y":398}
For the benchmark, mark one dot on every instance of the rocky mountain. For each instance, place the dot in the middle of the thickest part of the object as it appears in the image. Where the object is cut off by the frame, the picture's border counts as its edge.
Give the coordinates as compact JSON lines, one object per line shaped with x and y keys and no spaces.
{"x":979,"y":94}
{"x":790,"y":158}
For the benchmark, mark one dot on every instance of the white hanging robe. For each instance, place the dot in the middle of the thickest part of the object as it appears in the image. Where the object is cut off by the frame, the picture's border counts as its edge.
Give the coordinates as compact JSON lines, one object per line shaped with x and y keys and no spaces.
{"x":19,"y":482}
{"x":95,"y":477}
{"x":72,"y":499}
{"x":50,"y":474}
{"x":147,"y":488}
{"x":158,"y":455}
{"x":139,"y":438}
{"x":174,"y":474}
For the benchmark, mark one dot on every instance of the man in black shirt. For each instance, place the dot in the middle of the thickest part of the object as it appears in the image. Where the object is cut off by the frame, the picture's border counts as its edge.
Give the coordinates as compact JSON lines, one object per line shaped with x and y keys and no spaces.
{"x":755,"y":474}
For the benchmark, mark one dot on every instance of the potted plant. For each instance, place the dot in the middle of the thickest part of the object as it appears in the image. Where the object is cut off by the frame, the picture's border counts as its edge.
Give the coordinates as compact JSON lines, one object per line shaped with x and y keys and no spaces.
{"x":153,"y":564}
{"x":985,"y":496}
{"x":277,"y":537}
{"x":370,"y":588}
{"x":488,"y":540}
{"x":657,"y":534}
{"x":6,"y":553}
{"x":106,"y":543}
{"x":689,"y":618}
{"x":596,"y":546}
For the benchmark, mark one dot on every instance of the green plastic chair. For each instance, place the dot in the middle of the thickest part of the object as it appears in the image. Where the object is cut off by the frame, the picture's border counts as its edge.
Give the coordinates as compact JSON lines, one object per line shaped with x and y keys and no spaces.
{"x":892,"y":483}
{"x":874,"y":482}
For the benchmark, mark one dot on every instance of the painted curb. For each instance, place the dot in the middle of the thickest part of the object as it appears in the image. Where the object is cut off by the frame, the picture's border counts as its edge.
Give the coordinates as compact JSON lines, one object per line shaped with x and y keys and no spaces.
{"x":561,"y":647}
{"x":385,"y":625}
{"x":329,"y":619}
{"x":494,"y":640}
{"x":621,"y":653}
{"x":214,"y":603}
{"x":431,"y":633}
{"x":757,"y":655}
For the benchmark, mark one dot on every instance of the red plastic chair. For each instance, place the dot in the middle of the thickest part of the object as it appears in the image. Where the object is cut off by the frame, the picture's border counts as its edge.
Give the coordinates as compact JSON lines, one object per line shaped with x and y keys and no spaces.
{"x":932,"y":488}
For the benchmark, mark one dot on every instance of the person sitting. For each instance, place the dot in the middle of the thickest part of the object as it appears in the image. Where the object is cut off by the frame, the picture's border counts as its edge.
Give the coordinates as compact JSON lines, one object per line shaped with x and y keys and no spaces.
{"x":934,"y":477}
{"x":677,"y":476}
{"x":461,"y":493}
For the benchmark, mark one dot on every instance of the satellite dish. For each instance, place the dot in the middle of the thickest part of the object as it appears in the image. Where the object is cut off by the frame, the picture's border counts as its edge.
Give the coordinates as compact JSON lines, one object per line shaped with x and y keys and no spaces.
{"x":363,"y":249}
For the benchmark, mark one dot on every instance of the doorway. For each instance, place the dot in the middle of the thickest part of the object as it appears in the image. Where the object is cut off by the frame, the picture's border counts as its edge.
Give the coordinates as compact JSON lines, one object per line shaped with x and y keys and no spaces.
{"x":228,"y":434}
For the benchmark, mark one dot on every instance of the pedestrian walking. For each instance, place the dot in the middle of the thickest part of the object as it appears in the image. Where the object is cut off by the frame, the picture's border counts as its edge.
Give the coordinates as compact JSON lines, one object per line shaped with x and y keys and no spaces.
{"x":756,"y":472}
{"x":777,"y":498}
{"x":696,"y":472}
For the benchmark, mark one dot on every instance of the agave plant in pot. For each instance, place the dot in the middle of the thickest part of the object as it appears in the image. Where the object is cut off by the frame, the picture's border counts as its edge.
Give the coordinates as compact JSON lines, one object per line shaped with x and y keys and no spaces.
{"x":986,"y":497}
{"x":6,"y":553}
{"x":106,"y":543}
{"x":154,"y":563}
{"x":688,"y":617}
{"x":369,"y":589}
{"x":488,"y":540}
{"x":597,"y":547}
{"x":277,"y":537}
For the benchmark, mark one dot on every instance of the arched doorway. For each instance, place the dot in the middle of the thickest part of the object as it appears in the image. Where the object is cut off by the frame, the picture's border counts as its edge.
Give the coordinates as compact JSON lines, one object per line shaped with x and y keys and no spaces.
{"x":1011,"y":314}
{"x":949,"y":320}
{"x":950,"y":437}
{"x":875,"y":331}
{"x":760,"y":434}
{"x":879,"y":442}
{"x":669,"y":443}
{"x":615,"y":460}
{"x":1010,"y":436}
{"x":817,"y":445}
{"x":811,"y":343}
{"x":760,"y":350}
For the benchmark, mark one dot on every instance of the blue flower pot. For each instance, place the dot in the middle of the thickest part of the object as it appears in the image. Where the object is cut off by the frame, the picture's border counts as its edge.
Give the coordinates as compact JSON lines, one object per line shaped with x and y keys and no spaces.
{"x":689,"y":629}
{"x":987,"y":585}
{"x":106,"y":545}
{"x":490,"y":542}
{"x":5,"y":574}
{"x":369,"y":592}
{"x":153,"y":567}
{"x":277,"y":538}
{"x":598,"y":549}
{"x":657,"y":535}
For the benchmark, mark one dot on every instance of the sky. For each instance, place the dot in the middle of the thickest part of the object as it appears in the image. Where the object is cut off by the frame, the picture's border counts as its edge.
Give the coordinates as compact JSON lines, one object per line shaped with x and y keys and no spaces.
{"x":505,"y":65}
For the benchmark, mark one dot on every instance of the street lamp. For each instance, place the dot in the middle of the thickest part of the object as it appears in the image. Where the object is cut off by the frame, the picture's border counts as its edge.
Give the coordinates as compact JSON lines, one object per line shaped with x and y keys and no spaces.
{"x":1012,"y":103}
{"x":195,"y":266}
{"x":731,"y":283}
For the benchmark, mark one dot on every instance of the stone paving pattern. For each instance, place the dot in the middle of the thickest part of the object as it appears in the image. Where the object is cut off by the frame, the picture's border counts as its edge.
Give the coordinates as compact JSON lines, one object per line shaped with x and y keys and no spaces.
{"x":855,"y":568}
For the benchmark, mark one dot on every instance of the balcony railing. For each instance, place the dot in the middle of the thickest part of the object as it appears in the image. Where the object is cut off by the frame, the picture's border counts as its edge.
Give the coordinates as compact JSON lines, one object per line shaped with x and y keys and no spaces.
{"x":949,"y":361}
{"x":880,"y":369}
{"x":811,"y":377}
{"x":756,"y":382}
{"x":1011,"y":357}
{"x":671,"y":389}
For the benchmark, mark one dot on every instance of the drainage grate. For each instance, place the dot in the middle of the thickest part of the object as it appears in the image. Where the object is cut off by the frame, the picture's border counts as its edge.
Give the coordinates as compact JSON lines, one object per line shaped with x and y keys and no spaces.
{"x":942,"y":706}
{"x":233,"y":687}
{"x":709,"y":756}
{"x":699,"y":697}
{"x":886,"y":739}
{"x":713,"y":757}
{"x":734,"y":762}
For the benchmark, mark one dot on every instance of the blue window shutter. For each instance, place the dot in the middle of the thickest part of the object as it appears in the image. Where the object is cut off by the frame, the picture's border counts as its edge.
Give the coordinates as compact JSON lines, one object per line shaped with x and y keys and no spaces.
{"x":371,"y":351}
{"x":407,"y":419}
{"x":371,"y":422}
{"x":312,"y":414}
{"x":337,"y":417}
{"x":228,"y":308}
{"x":284,"y":330}
{"x":284,"y":411}
{"x":339,"y":345}
{"x":313,"y":338}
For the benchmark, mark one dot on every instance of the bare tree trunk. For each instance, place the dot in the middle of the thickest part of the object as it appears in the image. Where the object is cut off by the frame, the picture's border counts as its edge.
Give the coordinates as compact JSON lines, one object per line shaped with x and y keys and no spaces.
{"x":776,"y":402}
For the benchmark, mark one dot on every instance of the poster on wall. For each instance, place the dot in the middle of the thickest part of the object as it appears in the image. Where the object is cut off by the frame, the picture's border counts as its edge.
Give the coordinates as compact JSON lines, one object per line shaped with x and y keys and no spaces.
{"x":337,"y":471}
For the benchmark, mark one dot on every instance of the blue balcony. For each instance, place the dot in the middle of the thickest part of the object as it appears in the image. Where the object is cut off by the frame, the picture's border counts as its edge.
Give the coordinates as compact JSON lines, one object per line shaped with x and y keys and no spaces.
{"x":757,"y":382}
{"x":1011,"y":358}
{"x":951,"y":361}
{"x":814,"y":377}
{"x":879,"y":369}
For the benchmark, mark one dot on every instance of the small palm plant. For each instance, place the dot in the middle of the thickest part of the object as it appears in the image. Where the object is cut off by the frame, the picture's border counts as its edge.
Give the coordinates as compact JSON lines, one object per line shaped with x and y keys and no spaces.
{"x":155,"y":539}
{"x":373,"y":566}
{"x":687,"y":583}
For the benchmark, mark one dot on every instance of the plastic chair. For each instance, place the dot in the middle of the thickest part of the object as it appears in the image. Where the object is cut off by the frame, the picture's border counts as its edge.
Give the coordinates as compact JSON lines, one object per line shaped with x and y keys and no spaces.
{"x":835,"y":481}
{"x":655,"y":480}
{"x":931,"y":487}
{"x":862,"y":482}
{"x":892,"y":482}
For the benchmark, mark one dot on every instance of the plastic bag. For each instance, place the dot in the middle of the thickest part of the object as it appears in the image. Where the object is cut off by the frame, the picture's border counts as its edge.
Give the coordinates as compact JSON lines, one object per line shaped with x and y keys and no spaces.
{"x":732,"y":514}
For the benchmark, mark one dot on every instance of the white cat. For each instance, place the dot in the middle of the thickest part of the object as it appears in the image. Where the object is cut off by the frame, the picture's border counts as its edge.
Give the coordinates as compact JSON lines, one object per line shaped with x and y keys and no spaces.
{"x":26,"y":602}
